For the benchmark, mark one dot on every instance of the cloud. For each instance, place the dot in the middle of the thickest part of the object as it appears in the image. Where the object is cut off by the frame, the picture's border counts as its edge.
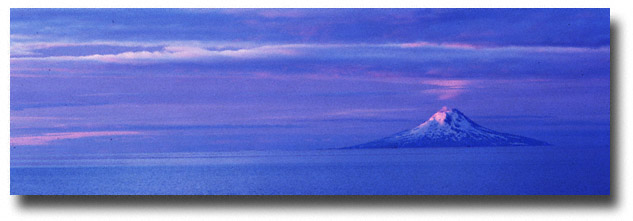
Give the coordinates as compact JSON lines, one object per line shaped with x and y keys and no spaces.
{"x":452,"y":45}
{"x":449,"y":88}
{"x":445,"y":93}
{"x":49,"y":137}
{"x":452,"y":88}
{"x":172,"y":53}
{"x":552,"y":49}
{"x":454,"y":84}
{"x":30,"y":48}
{"x":196,"y":50}
{"x":537,"y":48}
{"x":368,"y":112}
{"x":19,"y":48}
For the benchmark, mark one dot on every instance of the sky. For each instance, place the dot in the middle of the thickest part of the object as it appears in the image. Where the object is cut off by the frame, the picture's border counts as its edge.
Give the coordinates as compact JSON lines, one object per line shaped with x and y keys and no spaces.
{"x":183,"y":80}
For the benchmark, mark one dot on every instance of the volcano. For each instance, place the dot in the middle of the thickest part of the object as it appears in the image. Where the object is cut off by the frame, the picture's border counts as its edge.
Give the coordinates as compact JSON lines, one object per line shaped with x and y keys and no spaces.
{"x":450,"y":128}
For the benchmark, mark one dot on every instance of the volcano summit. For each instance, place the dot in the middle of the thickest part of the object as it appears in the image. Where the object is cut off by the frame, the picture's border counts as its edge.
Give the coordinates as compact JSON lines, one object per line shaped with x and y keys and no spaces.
{"x":450,"y":128}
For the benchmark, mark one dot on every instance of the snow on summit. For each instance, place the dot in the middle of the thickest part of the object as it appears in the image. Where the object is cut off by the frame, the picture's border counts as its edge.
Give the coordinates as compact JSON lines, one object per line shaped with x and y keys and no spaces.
{"x":450,"y":128}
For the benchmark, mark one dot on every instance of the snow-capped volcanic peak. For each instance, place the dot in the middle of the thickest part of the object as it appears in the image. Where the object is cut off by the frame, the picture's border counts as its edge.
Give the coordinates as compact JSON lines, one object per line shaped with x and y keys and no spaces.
{"x":440,"y":116}
{"x":447,"y":116}
{"x":444,"y":120}
{"x":450,"y":127}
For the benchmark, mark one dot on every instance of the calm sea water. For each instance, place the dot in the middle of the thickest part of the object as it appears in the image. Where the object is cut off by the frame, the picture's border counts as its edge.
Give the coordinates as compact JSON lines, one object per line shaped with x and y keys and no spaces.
{"x":483,"y":170}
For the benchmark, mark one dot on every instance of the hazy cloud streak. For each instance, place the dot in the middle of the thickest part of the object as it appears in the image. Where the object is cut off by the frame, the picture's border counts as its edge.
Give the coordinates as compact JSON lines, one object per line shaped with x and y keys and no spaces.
{"x":49,"y":137}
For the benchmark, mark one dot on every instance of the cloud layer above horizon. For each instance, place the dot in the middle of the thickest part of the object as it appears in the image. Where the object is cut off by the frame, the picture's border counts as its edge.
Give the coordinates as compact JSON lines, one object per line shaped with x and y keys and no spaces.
{"x":283,"y":78}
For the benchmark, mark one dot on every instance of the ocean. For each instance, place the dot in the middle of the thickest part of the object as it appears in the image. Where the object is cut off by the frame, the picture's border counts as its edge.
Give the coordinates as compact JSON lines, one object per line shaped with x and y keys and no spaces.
{"x":542,"y":170}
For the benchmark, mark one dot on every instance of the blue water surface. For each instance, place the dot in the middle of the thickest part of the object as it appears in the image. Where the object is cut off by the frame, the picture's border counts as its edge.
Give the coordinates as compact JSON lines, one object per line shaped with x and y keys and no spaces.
{"x":550,"y":170}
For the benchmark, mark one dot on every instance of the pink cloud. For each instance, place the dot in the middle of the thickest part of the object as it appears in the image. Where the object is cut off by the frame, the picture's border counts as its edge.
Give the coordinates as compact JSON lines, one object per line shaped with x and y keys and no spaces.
{"x":450,"y":88}
{"x":372,"y":76}
{"x":48,"y":137}
{"x":445,"y":94}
